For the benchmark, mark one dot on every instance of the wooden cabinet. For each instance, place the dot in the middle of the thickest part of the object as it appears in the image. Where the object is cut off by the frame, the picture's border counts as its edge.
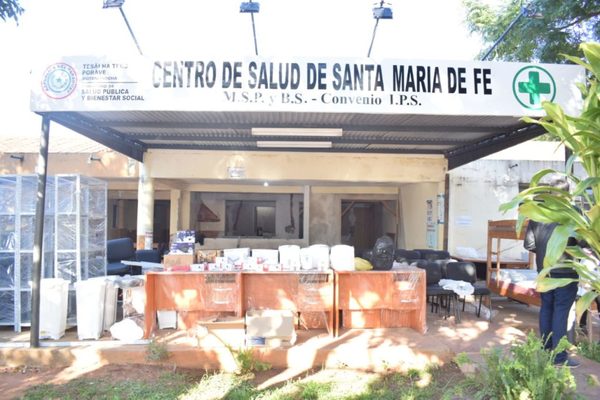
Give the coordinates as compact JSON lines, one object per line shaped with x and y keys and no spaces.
{"x":302,"y":292}
{"x":366,"y":299}
{"x":382,"y":299}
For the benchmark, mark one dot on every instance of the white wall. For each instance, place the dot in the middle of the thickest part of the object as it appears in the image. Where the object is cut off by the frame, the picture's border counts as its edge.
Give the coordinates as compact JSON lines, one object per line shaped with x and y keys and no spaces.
{"x":479,"y":188}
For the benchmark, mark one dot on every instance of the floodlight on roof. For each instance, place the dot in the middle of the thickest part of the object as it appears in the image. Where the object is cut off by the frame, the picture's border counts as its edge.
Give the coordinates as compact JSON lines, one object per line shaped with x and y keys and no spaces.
{"x":251,"y":8}
{"x":112,"y":3}
{"x":381,"y":11}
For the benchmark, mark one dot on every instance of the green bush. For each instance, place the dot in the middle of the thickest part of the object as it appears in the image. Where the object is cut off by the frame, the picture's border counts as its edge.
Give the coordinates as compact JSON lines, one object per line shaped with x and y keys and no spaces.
{"x":589,"y":350}
{"x":248,"y":363}
{"x":527,"y":372}
{"x":156,"y":351}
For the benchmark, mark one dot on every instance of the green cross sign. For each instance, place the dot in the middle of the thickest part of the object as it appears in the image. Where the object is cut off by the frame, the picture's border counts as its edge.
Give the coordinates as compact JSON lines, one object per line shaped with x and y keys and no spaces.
{"x":534,"y":87}
{"x":530,"y":83}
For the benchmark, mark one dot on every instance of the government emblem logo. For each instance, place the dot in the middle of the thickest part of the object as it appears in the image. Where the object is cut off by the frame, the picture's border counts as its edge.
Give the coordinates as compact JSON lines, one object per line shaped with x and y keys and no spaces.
{"x":59,"y":81}
{"x":532,"y":85}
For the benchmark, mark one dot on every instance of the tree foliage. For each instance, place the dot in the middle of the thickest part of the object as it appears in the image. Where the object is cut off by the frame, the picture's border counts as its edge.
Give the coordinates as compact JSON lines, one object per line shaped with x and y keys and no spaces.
{"x":10,"y":9}
{"x":581,"y":134}
{"x":560,"y":26}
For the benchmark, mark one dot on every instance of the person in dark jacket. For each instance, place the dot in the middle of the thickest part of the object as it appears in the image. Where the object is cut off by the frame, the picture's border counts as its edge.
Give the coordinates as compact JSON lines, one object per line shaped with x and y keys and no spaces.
{"x":556,"y":303}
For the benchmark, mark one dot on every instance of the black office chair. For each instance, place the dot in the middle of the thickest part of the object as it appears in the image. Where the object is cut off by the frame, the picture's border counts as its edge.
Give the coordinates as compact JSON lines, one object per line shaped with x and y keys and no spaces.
{"x":407,"y":256}
{"x":466,"y":271}
{"x":437,"y":295}
{"x":433,"y":255}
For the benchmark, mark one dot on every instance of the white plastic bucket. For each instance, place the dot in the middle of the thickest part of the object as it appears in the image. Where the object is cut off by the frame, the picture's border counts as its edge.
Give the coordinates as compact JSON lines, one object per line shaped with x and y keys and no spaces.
{"x":54,"y":301}
{"x":320,"y":256}
{"x":342,"y":257}
{"x":306,"y":258}
{"x":289,"y":257}
{"x":90,"y":296}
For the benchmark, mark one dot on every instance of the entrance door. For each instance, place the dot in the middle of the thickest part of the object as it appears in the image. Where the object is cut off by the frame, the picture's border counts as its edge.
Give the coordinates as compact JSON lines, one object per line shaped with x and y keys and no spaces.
{"x":361,"y":224}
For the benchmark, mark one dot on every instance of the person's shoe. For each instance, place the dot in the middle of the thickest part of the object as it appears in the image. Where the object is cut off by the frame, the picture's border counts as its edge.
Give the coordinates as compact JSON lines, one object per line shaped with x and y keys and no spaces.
{"x":569,"y":363}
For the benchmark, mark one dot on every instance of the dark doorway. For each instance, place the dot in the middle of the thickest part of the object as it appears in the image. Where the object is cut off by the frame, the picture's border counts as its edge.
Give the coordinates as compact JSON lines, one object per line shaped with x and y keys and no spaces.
{"x":361,"y":224}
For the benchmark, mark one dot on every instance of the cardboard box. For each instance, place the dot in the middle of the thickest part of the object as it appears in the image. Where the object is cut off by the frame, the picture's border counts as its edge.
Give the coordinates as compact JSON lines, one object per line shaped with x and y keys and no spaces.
{"x":207,"y":256}
{"x":167,"y":319}
{"x":170,"y":260}
{"x":221,"y":332}
{"x":270,"y":323}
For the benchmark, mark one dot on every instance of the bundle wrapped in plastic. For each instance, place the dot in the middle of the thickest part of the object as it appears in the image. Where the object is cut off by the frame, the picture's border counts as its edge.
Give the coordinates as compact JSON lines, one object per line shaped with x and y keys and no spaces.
{"x":360,"y":264}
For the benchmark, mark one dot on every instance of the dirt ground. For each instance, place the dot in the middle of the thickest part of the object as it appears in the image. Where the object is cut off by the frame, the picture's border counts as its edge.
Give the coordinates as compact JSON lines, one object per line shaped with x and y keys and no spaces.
{"x":14,"y":382}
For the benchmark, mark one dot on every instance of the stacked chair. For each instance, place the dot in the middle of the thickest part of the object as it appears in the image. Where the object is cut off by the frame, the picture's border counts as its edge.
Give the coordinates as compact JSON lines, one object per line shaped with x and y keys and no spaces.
{"x":438,"y":265}
{"x":437,"y":296}
{"x":466,"y":271}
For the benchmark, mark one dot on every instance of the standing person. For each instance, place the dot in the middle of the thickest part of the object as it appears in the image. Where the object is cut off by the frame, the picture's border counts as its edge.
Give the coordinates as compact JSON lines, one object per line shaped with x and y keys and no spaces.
{"x":556,"y":303}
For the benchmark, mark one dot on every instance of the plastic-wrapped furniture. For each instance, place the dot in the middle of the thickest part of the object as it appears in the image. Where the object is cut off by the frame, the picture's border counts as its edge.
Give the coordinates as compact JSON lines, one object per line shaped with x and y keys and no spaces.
{"x":80,"y":231}
{"x":17,"y":230}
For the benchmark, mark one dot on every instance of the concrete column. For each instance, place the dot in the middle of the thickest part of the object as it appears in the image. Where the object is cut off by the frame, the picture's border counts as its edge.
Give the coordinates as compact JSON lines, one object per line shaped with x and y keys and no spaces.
{"x":306,"y":220}
{"x":145,"y":214}
{"x":174,"y":211}
{"x":121,"y":214}
{"x":185,"y":210}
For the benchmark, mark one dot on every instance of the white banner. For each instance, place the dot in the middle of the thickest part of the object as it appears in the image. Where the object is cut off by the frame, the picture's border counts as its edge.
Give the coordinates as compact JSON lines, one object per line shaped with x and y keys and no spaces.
{"x":329,"y":85}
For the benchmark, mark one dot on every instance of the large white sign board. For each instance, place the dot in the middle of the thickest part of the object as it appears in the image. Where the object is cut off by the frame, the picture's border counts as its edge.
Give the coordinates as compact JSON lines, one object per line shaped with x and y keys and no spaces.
{"x":320,"y":85}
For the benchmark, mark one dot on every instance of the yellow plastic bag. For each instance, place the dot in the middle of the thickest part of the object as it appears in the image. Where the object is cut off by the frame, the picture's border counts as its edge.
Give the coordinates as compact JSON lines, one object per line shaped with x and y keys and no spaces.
{"x":360,"y":264}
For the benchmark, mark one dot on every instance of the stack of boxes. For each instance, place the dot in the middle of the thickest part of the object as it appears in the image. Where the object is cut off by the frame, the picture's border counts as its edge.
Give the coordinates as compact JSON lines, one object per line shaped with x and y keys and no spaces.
{"x":182,"y":249}
{"x":260,"y":328}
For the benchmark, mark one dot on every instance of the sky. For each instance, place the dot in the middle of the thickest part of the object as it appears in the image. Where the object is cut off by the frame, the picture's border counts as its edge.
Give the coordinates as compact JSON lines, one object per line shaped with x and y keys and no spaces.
{"x":420,"y":29}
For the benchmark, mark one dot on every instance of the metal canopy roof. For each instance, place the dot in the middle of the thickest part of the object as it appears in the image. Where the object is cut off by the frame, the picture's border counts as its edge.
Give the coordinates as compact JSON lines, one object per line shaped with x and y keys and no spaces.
{"x":461,"y":139}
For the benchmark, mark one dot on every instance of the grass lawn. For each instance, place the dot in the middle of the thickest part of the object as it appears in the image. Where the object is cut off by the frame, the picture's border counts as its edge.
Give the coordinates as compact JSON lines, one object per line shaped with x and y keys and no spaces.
{"x":435,"y":383}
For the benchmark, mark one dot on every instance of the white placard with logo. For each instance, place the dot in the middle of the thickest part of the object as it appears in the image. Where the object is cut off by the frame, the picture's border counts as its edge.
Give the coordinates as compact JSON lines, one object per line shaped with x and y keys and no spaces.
{"x":315,"y":85}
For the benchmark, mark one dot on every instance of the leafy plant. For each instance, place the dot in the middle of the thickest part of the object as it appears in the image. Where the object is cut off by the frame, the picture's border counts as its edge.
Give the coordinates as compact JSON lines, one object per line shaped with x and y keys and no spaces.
{"x":461,"y":359}
{"x":157,"y":351}
{"x":581,"y":134}
{"x":589,"y":350}
{"x":248,"y":363}
{"x":527,"y":372}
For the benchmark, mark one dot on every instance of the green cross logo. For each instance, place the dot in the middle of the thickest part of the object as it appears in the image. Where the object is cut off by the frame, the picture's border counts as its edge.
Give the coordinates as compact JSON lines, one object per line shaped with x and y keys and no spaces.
{"x":532,"y":85}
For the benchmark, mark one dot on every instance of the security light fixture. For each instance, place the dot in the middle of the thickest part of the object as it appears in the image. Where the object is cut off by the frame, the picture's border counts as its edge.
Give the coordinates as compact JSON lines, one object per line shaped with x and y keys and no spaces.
{"x":292,"y":144}
{"x":379,"y":12}
{"x":527,"y":11}
{"x":289,"y":132}
{"x":19,"y":157}
{"x":112,"y":3}
{"x":119,"y":4}
{"x":382,"y":12}
{"x":93,"y":158}
{"x":251,"y":8}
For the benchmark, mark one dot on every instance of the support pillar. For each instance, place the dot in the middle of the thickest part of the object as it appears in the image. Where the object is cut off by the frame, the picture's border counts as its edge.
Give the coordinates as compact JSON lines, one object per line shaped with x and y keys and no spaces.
{"x":185,"y":210}
{"x":306,"y":219}
{"x":174,"y":211}
{"x":145,"y":214}
{"x":36,"y":273}
{"x":121,"y":215}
